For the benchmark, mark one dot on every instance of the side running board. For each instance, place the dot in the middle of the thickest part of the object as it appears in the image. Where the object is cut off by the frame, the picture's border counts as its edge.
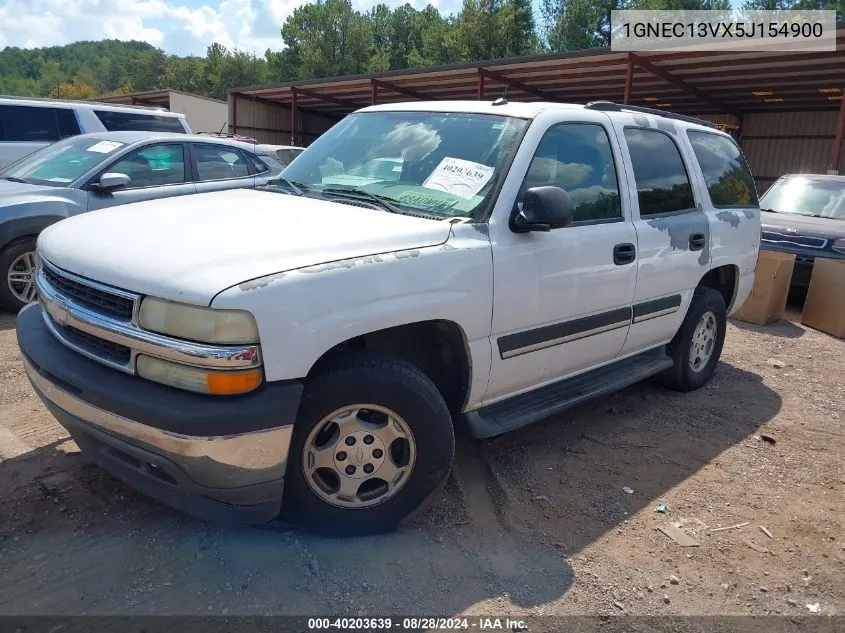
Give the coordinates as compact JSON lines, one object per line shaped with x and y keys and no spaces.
{"x":544,"y":402}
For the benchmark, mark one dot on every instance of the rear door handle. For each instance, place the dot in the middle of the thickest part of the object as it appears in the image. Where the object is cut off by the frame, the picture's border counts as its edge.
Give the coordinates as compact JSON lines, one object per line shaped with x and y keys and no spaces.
{"x":624,"y":254}
{"x":697,"y":241}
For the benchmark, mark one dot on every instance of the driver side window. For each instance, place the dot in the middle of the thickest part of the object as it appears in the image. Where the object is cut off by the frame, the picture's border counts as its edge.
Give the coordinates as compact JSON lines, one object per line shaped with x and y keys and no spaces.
{"x":153,"y":166}
{"x":577,"y":158}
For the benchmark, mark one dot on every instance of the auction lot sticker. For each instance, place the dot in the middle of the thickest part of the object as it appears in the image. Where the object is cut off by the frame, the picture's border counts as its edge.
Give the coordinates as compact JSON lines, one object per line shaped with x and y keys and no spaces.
{"x":462,"y":178}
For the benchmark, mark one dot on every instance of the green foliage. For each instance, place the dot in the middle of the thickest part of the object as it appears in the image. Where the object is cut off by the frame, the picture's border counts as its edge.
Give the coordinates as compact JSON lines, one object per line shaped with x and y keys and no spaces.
{"x":330,"y":38}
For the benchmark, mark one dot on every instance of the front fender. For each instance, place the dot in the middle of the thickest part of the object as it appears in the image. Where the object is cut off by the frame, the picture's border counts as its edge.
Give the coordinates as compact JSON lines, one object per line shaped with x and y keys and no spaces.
{"x":24,"y":220}
{"x":302,"y":314}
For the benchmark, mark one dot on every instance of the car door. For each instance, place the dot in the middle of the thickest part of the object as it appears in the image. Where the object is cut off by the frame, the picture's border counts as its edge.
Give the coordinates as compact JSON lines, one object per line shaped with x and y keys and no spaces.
{"x":219,"y":167}
{"x":672,"y":229}
{"x":156,"y":171}
{"x":562,"y":299}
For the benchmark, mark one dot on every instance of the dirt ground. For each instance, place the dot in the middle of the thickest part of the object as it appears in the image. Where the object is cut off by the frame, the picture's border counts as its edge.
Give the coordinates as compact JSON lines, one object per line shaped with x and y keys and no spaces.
{"x":535,"y":522}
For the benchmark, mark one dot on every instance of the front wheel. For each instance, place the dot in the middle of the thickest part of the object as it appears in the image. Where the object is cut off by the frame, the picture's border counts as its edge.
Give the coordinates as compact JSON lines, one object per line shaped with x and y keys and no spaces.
{"x":372,"y":443}
{"x":17,"y":265}
{"x":698,"y":343}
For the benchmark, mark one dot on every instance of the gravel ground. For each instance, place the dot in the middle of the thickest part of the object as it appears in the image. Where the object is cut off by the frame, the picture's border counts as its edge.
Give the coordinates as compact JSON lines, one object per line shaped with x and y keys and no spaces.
{"x":557,"y":518}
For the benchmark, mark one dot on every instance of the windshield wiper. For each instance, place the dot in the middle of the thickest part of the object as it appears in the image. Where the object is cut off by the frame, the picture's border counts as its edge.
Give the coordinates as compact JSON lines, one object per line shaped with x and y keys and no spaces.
{"x":295,"y":187}
{"x":769,"y":210}
{"x":354,"y":192}
{"x":14,"y":179}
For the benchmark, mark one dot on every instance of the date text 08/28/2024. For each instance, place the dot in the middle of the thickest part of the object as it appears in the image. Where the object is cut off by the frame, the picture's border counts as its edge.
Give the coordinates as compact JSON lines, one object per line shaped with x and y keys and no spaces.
{"x":414,"y":624}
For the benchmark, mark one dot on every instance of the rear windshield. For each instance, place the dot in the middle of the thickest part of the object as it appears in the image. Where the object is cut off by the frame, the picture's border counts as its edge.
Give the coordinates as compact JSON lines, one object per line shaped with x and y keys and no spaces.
{"x":139,"y":121}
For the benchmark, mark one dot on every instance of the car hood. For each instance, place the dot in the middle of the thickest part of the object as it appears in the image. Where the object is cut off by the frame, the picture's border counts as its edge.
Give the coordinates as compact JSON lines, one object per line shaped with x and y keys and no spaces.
{"x":14,"y":193}
{"x":190,"y":248}
{"x":830,"y":228}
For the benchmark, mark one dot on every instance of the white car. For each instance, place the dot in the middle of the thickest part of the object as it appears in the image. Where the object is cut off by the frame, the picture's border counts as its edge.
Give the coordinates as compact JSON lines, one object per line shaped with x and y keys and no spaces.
{"x":284,"y":153}
{"x":28,"y":124}
{"x":311,"y":349}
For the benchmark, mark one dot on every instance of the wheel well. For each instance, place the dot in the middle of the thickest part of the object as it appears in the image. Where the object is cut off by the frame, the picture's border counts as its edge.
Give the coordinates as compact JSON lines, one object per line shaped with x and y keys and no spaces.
{"x":437,"y":348}
{"x":723,"y":280}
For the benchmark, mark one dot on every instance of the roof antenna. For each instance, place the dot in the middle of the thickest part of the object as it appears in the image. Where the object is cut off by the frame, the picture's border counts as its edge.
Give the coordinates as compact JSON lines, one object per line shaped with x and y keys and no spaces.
{"x":503,"y":100}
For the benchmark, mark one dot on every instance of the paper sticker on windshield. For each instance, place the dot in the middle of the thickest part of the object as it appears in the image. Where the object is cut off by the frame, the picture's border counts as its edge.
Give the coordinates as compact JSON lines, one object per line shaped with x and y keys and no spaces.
{"x":462,"y":178}
{"x":104,"y":147}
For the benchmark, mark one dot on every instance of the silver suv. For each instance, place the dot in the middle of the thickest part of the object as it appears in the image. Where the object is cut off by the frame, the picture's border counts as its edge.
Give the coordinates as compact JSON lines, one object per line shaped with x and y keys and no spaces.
{"x":29,"y":124}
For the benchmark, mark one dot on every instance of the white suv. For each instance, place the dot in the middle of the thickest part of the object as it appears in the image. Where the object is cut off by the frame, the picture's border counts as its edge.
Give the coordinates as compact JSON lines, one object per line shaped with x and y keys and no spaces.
{"x":325,"y":337}
{"x":28,"y":124}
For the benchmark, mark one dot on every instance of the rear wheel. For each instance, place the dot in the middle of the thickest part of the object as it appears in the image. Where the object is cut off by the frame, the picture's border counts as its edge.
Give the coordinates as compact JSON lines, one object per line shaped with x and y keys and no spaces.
{"x":17,"y":266}
{"x":372,"y":442}
{"x":698,"y":343}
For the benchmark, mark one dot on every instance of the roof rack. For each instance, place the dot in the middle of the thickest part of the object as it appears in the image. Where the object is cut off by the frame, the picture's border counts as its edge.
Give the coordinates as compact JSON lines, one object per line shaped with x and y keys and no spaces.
{"x":88,"y":102}
{"x":234,"y":137}
{"x":610,"y":106}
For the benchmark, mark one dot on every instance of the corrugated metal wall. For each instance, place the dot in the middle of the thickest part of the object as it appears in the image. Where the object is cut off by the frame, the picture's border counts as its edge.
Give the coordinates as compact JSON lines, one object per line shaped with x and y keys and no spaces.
{"x":270,"y":122}
{"x":781,"y":143}
{"x":204,"y":115}
{"x":774,"y":143}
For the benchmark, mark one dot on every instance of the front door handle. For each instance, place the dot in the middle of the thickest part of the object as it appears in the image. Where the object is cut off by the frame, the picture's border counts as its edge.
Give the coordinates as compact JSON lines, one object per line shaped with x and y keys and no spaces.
{"x":624,"y":254}
{"x":697,"y":241}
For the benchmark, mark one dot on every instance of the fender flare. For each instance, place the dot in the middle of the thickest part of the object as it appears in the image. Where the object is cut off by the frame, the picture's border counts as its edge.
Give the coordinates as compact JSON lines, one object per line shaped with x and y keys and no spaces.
{"x":17,"y":228}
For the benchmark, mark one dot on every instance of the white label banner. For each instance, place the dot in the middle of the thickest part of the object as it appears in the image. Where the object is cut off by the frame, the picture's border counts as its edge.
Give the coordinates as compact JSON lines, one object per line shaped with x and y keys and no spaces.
{"x":462,"y":178}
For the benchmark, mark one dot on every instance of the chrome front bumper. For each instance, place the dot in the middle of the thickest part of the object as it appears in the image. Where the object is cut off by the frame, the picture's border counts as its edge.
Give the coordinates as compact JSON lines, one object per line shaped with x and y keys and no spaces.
{"x":216,"y":458}
{"x":228,"y":461}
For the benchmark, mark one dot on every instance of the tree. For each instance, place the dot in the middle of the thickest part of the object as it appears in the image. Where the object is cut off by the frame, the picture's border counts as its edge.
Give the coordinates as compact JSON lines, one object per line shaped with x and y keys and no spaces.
{"x":517,"y":30}
{"x":328,"y":38}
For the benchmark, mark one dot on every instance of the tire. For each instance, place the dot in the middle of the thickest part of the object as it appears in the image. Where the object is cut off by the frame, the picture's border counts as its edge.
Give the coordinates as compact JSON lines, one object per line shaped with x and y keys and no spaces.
{"x":393,"y":386}
{"x":10,"y":256}
{"x":690,"y":371}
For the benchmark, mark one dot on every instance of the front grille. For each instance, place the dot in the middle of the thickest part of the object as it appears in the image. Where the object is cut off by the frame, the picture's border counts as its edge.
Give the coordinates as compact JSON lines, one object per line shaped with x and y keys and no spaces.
{"x":96,"y":346}
{"x":792,"y":238}
{"x":93,"y":298}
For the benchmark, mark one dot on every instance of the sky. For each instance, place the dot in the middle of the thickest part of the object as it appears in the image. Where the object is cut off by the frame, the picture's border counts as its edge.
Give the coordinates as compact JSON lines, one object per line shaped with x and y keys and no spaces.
{"x":178,"y":26}
{"x":182,"y":27}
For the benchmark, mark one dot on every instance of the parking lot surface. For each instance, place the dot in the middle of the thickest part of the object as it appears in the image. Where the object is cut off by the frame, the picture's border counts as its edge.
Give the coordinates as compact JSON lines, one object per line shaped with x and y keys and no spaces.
{"x":557,"y":518}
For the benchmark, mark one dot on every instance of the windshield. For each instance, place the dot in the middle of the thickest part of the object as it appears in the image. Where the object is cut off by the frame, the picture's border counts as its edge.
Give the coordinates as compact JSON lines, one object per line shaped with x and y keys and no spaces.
{"x":61,"y":163}
{"x":438,"y":163}
{"x":806,"y":196}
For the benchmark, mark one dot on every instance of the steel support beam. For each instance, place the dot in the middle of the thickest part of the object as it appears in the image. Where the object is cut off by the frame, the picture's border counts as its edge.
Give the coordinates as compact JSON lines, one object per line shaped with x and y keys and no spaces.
{"x":679,"y":83}
{"x":408,"y":92}
{"x":327,"y":98}
{"x":294,"y":106}
{"x":504,"y":79}
{"x":629,"y":79}
{"x":836,"y":148}
{"x":233,"y":116}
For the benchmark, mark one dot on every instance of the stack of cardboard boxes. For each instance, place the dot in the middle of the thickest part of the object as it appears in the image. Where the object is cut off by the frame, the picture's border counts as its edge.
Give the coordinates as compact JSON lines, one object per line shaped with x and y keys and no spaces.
{"x":824,"y":307}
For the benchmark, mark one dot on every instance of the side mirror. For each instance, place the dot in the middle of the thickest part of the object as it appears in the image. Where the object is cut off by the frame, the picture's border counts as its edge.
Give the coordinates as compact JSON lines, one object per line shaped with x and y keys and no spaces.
{"x":543,"y":209}
{"x":112,"y":181}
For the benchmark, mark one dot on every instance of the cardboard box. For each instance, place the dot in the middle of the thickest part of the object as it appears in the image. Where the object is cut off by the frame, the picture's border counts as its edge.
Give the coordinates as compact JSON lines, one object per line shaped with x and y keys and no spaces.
{"x":767,"y":301}
{"x":824,"y":308}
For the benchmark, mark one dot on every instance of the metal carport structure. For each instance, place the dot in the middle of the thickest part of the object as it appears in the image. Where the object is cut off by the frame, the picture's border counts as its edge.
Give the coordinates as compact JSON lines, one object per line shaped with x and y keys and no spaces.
{"x":786,"y":107}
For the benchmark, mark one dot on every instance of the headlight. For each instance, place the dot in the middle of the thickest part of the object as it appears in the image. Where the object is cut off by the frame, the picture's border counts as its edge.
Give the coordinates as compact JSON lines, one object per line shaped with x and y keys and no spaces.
{"x":221,"y":383}
{"x":193,"y":323}
{"x":839,"y":245}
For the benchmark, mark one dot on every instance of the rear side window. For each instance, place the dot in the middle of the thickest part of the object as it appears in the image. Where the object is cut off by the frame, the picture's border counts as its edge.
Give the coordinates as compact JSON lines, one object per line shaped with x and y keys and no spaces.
{"x":663,"y":185}
{"x":138,"y":121}
{"x":215,"y":162}
{"x":35,"y":124}
{"x":258,"y":165}
{"x":729,"y":181}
